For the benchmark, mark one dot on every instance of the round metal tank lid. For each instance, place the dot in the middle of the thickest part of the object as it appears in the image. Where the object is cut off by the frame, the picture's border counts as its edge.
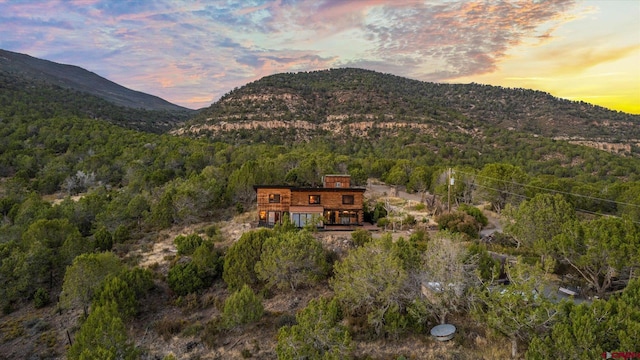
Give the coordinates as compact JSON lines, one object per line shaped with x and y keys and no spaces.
{"x":443,"y":332}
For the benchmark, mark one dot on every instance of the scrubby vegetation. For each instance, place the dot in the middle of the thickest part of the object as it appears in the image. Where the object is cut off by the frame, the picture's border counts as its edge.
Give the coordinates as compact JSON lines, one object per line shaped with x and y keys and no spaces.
{"x":82,"y":202}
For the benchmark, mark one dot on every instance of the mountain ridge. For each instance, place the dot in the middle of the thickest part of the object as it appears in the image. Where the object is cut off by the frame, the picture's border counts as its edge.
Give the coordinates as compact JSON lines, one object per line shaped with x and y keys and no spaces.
{"x":77,"y":78}
{"x":335,"y":98}
{"x":33,"y":88}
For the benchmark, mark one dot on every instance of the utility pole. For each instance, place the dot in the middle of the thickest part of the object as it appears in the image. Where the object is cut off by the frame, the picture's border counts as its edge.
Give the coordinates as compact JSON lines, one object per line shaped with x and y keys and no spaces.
{"x":449,"y":190}
{"x":450,"y":182}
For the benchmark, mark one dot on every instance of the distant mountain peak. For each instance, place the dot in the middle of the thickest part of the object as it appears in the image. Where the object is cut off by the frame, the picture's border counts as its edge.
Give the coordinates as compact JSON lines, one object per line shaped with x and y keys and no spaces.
{"x":78,"y":79}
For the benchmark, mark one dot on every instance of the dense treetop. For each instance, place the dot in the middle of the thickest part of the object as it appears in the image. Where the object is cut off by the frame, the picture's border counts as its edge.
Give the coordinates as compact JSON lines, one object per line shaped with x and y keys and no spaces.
{"x":34,"y":98}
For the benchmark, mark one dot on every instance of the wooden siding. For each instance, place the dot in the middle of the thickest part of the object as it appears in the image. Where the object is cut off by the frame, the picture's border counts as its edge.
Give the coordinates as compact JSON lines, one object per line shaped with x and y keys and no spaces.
{"x":330,"y":181}
{"x":263,"y":199}
{"x":331,"y":199}
{"x":328,"y":199}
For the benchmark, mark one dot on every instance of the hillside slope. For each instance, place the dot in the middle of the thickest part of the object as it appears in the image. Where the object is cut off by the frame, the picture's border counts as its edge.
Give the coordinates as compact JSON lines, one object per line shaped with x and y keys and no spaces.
{"x":39,"y":89}
{"x":356,"y":100}
{"x":79,"y":79}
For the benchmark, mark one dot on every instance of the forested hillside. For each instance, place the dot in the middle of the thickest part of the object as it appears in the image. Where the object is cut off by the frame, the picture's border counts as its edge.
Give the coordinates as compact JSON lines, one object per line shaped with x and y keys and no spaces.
{"x":78,"y":79}
{"x":37,"y":89}
{"x":359,"y":101}
{"x":108,"y":227}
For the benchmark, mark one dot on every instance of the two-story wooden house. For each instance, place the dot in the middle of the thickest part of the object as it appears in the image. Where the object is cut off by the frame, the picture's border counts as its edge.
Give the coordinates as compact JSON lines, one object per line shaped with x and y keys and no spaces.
{"x":335,"y":204}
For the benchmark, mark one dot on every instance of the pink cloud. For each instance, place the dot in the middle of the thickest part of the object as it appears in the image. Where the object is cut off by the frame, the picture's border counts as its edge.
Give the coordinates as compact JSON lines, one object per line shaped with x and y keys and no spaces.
{"x":472,"y":37}
{"x":184,"y":50}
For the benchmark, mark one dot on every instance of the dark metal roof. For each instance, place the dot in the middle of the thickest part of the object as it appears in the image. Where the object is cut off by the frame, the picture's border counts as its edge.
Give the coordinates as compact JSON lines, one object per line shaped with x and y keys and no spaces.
{"x":318,"y":189}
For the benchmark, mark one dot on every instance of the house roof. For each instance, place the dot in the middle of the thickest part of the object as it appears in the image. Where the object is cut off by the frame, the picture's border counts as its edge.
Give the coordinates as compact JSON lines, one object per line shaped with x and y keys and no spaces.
{"x":309,"y":189}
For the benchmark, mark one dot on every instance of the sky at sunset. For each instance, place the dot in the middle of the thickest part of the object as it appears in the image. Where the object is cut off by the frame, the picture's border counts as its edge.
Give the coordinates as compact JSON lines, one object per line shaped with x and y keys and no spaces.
{"x":192,"y":52}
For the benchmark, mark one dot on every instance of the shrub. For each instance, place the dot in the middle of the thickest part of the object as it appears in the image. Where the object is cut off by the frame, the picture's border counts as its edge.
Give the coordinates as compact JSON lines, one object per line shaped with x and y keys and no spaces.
{"x":419,"y":240}
{"x":168,"y":327}
{"x":242,"y":307}
{"x":213,"y":233}
{"x":140,"y":280}
{"x":41,"y":298}
{"x":183,"y":278}
{"x":186,"y":245}
{"x":488,"y":267}
{"x":375,"y":214}
{"x":317,"y":334}
{"x":409,"y":220}
{"x":285,"y":320}
{"x":420,"y":207}
{"x":458,"y":222}
{"x":475,"y":213}
{"x":207,"y":261}
{"x":382,"y":222}
{"x":193,"y":330}
{"x":121,"y":234}
{"x":119,"y":292}
{"x":394,"y":323}
{"x":360,"y":237}
{"x":211,"y":331}
{"x":104,"y":239}
{"x":246,"y":353}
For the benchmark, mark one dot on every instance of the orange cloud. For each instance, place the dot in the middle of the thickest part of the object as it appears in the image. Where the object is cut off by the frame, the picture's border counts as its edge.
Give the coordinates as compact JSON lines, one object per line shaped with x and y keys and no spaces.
{"x":576,"y":60}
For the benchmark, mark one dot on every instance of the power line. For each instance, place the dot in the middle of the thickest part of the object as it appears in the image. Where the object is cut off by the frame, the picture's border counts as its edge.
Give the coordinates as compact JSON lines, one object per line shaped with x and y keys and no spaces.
{"x":576,"y":208}
{"x":550,"y":190}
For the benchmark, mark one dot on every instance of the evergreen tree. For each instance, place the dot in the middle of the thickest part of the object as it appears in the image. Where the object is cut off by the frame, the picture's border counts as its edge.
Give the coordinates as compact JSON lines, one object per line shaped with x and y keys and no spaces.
{"x":242,"y":307}
{"x":240,"y":260}
{"x":104,"y":239}
{"x":518,"y":310}
{"x":184,"y":278}
{"x":599,"y":249}
{"x":586,"y":331}
{"x":85,"y":276}
{"x":291,"y":259}
{"x":102,"y":336}
{"x":371,"y":280}
{"x":317,"y":334}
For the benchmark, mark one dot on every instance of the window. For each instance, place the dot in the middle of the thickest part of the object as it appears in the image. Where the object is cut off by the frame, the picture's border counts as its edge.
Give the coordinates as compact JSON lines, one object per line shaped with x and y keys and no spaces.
{"x":341,"y":217}
{"x":347,"y":199}
{"x":274,"y":198}
{"x":274,"y":217}
{"x":263,"y":216}
{"x":348,"y":217}
{"x":302,"y":219}
{"x":314,"y":199}
{"x":338,"y":184}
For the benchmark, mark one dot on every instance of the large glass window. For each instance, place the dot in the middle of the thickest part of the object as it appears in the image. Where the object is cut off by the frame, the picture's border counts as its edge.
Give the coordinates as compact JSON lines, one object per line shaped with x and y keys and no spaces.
{"x":338,"y":217}
{"x":274,"y":198}
{"x":302,"y":219}
{"x":348,"y":217}
{"x":314,"y":199}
